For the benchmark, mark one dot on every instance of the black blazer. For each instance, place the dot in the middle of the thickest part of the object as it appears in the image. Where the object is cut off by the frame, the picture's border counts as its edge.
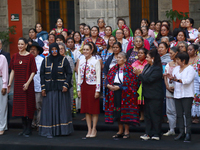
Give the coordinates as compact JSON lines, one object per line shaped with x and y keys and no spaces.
{"x":107,"y":64}
{"x":152,"y":82}
{"x":7,"y":55}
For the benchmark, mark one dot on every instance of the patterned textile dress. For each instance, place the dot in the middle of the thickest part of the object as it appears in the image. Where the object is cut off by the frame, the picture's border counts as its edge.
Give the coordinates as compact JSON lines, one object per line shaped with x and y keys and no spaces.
{"x":196,"y":101}
{"x":138,"y":65}
{"x":23,"y":101}
{"x":129,"y":108}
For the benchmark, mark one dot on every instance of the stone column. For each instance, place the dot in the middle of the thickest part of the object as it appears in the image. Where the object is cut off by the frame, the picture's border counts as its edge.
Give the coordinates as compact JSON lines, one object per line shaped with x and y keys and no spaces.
{"x":194,"y":12}
{"x":109,"y":10}
{"x":28,"y":16}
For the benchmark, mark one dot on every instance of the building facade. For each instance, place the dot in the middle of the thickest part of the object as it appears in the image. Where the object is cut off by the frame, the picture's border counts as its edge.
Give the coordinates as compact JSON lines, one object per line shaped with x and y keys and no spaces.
{"x":75,"y":12}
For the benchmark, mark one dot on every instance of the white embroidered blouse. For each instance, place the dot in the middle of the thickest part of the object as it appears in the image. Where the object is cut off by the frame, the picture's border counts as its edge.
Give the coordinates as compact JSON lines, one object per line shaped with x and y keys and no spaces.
{"x":92,"y":75}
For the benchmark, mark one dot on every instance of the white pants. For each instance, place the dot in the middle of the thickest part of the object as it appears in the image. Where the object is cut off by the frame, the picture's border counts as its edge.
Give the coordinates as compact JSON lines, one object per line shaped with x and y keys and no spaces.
{"x":3,"y":108}
{"x":171,"y":112}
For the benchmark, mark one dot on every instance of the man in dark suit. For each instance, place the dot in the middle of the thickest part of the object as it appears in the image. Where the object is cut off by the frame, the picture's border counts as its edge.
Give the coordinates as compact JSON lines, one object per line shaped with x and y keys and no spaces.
{"x":7,"y":55}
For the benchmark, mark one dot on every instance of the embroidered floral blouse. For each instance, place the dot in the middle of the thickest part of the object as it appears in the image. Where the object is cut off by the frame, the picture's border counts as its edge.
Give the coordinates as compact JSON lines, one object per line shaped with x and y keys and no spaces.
{"x":92,"y":74}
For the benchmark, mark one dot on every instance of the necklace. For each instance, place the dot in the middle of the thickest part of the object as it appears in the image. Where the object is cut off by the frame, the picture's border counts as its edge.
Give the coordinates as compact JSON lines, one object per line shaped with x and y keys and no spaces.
{"x":193,"y":60}
{"x":22,"y":54}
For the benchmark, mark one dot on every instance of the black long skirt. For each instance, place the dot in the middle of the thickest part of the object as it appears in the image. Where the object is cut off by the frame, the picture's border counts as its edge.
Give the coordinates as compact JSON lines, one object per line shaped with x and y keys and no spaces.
{"x":56,"y":117}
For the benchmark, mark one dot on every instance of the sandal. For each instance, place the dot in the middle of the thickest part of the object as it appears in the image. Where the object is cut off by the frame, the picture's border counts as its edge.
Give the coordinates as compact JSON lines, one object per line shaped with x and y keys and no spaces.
{"x":126,"y":136}
{"x":118,"y":135}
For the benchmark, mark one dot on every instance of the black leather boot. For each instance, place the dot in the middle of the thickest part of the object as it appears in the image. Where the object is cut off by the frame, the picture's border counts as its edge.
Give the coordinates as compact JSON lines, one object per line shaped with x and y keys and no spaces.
{"x":29,"y":129}
{"x":187,"y":137}
{"x":181,"y":136}
{"x":24,"y":125}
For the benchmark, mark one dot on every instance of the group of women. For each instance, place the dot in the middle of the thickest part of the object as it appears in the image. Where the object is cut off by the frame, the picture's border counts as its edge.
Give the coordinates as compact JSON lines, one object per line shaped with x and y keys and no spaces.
{"x":136,"y":71}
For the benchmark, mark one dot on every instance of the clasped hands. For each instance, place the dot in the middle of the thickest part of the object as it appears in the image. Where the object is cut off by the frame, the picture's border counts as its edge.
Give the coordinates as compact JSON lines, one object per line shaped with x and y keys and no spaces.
{"x":44,"y":91}
{"x":113,"y":87}
{"x":137,"y":71}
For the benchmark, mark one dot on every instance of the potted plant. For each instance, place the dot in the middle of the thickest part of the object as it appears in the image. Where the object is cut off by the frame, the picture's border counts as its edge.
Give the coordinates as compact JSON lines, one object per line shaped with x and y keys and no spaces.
{"x":5,"y":36}
{"x":175,"y":16}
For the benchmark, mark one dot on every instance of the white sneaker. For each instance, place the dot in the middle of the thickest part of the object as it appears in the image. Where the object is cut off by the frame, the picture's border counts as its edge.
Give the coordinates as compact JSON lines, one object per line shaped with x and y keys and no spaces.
{"x":169,"y":133}
{"x":155,"y":138}
{"x":145,"y":137}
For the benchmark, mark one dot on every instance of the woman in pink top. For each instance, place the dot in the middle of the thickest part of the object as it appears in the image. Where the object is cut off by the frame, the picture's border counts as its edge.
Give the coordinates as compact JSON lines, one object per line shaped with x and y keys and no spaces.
{"x":139,"y":64}
{"x":138,"y":32}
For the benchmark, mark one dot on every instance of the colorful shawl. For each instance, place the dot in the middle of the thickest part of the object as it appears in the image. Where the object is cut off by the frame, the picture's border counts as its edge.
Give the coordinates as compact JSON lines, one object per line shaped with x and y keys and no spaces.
{"x":129,"y":107}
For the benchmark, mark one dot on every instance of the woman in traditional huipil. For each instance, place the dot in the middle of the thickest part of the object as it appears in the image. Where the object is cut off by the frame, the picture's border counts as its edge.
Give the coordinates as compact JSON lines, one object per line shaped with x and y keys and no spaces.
{"x":56,"y":75}
{"x":121,"y":97}
{"x":194,"y":61}
{"x":59,"y":26}
{"x":89,"y":78}
{"x":132,"y":53}
{"x":23,"y":68}
{"x":139,"y":64}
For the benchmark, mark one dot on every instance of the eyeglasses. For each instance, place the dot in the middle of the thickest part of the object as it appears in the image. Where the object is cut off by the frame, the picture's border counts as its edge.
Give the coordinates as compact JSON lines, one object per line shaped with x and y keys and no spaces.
{"x":138,"y":41}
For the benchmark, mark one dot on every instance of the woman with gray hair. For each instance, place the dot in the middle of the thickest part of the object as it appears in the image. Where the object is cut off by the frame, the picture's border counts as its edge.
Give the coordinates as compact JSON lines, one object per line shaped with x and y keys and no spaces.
{"x":63,"y":48}
{"x":170,"y":101}
{"x":182,"y":46}
{"x":132,"y":53}
{"x":121,"y":97}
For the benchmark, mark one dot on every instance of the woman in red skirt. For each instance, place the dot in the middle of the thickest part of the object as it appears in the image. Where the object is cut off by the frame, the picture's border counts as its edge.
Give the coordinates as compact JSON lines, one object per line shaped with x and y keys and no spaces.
{"x":23,"y":69}
{"x":89,"y":71}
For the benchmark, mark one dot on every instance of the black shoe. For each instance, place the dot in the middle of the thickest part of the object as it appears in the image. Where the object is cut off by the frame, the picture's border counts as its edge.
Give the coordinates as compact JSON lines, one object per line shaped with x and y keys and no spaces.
{"x":181,"y":136}
{"x":29,"y":129}
{"x":24,"y":125}
{"x":187,"y":137}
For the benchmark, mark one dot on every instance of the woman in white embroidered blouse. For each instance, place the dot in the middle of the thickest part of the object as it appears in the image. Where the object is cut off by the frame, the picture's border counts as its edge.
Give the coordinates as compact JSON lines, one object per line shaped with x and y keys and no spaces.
{"x":193,"y":33}
{"x":89,"y":78}
{"x":183,"y":77}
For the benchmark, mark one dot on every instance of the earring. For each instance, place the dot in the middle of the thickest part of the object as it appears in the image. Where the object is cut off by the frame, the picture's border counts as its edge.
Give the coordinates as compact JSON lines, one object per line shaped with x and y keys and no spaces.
{"x":152,"y":60}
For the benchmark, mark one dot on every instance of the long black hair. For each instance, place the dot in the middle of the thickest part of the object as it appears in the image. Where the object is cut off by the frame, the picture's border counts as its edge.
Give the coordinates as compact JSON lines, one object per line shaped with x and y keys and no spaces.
{"x":108,"y":46}
{"x":79,"y":35}
{"x":159,"y":34}
{"x":153,"y":53}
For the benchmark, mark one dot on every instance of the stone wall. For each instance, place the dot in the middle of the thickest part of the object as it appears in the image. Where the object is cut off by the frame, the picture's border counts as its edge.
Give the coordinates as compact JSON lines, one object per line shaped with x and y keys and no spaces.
{"x":109,"y":10}
{"x":4,"y":18}
{"x":28,"y":15}
{"x":163,"y":6}
{"x":194,"y":11}
{"x":3,"y":15}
